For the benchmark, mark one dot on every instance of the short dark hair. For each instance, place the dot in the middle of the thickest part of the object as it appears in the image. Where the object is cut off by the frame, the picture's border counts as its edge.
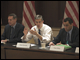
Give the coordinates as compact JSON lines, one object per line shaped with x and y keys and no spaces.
{"x":14,"y":15}
{"x":69,"y":20}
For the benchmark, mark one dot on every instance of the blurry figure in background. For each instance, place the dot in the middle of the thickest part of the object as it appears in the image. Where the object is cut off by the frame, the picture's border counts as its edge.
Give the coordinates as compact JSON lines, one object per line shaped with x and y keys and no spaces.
{"x":13,"y":31}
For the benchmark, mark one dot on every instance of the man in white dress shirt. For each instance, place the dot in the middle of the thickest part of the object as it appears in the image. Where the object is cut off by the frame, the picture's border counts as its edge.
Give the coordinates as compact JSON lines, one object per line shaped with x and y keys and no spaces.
{"x":45,"y":31}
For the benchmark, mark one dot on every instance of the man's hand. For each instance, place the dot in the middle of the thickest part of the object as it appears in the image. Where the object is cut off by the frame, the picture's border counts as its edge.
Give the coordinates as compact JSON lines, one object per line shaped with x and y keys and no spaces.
{"x":51,"y":43}
{"x":4,"y":40}
{"x":33,"y":32}
{"x":25,"y":31}
{"x":58,"y":44}
{"x":36,"y":33}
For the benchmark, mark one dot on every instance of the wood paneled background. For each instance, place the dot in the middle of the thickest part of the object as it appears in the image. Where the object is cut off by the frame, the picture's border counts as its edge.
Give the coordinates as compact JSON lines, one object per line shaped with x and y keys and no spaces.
{"x":52,"y":11}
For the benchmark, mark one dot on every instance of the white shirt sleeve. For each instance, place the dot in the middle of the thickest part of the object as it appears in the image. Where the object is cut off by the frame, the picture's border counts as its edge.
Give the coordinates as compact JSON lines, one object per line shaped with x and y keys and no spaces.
{"x":47,"y":36}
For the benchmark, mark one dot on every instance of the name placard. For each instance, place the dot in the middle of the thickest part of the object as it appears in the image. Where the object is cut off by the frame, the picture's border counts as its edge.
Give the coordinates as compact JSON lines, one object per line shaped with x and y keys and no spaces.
{"x":57,"y":48}
{"x":77,"y":50}
{"x":23,"y":45}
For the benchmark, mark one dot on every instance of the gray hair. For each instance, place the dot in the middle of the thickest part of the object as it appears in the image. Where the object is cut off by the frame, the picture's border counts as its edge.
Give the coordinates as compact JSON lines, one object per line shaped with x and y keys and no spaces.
{"x":14,"y":15}
{"x":38,"y":17}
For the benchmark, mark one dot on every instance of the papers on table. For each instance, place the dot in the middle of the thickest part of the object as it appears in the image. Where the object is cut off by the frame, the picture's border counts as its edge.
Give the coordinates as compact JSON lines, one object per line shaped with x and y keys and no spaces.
{"x":65,"y":46}
{"x":33,"y":44}
{"x":60,"y":47}
{"x":2,"y":42}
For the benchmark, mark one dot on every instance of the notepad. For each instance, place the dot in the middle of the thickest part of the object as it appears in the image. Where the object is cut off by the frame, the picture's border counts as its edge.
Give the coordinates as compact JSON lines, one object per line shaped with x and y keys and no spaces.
{"x":65,"y":46}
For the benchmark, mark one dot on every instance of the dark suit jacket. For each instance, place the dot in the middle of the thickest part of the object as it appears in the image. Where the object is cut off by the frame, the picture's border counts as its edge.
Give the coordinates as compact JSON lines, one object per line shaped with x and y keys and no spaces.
{"x":62,"y":37}
{"x":16,"y":35}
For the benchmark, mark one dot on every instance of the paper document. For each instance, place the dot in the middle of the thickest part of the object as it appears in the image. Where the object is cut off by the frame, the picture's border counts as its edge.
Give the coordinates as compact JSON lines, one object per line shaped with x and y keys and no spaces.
{"x":33,"y":44}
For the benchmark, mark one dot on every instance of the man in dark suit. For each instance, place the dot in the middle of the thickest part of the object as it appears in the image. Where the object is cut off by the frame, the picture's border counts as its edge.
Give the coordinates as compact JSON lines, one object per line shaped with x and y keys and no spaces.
{"x":13,"y":31}
{"x":69,"y":35}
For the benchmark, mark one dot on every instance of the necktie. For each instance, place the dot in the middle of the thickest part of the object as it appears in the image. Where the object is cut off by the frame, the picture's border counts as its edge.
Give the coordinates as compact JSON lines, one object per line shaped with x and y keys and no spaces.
{"x":12,"y":31}
{"x":38,"y":38}
{"x":67,"y":38}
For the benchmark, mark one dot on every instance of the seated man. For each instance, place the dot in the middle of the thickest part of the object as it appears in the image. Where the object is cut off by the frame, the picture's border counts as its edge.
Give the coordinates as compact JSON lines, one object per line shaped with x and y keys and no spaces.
{"x":40,"y":32}
{"x":13,"y":31}
{"x":68,"y":35}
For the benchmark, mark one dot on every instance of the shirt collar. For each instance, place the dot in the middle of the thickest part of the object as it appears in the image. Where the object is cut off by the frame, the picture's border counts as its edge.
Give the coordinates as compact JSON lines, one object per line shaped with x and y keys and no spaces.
{"x":71,"y":30}
{"x":14,"y":26}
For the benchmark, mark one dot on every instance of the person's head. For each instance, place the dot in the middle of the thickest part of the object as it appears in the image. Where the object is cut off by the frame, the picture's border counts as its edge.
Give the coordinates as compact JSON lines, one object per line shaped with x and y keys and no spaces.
{"x":68,"y":23}
{"x":12,"y":18}
{"x":39,"y":21}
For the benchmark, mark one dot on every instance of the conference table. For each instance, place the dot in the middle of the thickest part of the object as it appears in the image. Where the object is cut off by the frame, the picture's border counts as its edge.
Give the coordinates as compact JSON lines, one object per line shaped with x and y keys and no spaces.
{"x":8,"y":51}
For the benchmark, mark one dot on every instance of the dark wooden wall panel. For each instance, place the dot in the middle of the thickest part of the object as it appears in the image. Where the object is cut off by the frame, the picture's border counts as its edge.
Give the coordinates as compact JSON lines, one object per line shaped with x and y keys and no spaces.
{"x":52,"y":11}
{"x":8,"y":7}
